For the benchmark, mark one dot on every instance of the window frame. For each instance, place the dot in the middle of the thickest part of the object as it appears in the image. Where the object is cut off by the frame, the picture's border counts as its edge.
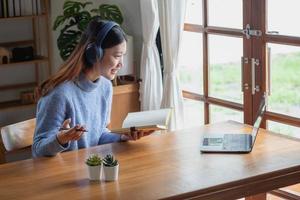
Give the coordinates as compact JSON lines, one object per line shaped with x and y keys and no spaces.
{"x":254,"y":13}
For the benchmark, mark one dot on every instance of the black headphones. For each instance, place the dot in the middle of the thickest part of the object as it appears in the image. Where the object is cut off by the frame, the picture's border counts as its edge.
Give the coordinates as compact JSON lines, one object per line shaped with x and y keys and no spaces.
{"x":94,"y":50}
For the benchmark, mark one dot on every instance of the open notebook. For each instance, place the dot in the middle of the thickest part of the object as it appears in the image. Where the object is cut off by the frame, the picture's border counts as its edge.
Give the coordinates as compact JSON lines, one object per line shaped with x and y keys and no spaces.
{"x":145,"y":121}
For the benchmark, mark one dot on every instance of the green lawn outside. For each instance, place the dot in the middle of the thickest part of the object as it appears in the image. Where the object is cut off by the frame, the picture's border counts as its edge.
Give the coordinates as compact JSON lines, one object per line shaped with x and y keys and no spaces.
{"x":225,"y":82}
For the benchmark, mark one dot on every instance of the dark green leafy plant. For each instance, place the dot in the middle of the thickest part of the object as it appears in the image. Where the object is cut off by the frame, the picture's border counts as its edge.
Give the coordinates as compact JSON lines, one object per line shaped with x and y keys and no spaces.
{"x":75,"y":19}
{"x":110,"y":161}
{"x":93,"y":160}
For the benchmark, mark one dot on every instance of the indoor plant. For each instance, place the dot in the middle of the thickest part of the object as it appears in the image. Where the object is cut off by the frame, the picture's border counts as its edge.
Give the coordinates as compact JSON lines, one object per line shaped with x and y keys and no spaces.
{"x":110,"y":168}
{"x":94,"y":162}
{"x":74,"y":20}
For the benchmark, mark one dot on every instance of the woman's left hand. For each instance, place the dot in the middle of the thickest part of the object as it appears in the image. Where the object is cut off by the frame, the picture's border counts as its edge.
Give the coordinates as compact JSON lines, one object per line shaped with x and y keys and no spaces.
{"x":135,"y":135}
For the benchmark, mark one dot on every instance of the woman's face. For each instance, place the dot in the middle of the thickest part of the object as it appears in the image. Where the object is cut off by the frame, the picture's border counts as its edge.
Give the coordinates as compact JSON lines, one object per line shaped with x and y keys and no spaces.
{"x":112,"y":61}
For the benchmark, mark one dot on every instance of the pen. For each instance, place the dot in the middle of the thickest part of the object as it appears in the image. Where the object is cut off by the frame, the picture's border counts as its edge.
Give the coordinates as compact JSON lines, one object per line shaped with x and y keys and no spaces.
{"x":65,"y":129}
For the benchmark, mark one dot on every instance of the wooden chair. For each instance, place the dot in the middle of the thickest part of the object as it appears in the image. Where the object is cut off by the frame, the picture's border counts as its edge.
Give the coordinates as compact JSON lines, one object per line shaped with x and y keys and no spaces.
{"x":290,"y":193}
{"x":16,"y":140}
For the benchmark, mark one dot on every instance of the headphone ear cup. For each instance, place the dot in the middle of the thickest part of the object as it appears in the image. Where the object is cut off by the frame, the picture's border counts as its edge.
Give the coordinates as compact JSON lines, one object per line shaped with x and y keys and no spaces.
{"x":91,"y":55}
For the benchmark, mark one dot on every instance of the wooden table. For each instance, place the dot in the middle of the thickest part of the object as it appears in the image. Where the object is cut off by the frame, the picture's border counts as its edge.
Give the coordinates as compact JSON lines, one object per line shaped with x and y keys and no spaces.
{"x":161,"y":166}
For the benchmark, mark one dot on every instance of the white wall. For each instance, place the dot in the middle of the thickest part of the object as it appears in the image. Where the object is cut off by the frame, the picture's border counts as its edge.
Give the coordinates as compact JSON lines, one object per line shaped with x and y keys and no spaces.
{"x":131,"y":25}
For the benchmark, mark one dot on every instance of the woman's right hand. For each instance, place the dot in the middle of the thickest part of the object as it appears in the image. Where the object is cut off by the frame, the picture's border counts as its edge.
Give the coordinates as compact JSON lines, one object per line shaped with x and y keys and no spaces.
{"x":71,"y":134}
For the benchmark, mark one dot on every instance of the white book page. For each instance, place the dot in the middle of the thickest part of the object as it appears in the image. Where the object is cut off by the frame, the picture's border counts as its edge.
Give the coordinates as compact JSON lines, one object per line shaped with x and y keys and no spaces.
{"x":147,"y":118}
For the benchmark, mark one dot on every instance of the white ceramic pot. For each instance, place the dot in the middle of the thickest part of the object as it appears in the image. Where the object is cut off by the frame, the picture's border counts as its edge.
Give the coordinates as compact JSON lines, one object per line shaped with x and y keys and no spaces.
{"x":94,"y":172}
{"x":110,"y":173}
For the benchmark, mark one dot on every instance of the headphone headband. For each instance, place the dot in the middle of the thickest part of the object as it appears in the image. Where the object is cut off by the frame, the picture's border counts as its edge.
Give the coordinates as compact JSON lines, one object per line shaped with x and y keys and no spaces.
{"x":104,"y":29}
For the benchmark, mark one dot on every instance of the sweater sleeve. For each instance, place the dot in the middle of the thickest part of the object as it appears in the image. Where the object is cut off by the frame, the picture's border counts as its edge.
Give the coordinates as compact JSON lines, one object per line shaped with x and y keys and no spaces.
{"x":51,"y":113}
{"x":107,"y":136}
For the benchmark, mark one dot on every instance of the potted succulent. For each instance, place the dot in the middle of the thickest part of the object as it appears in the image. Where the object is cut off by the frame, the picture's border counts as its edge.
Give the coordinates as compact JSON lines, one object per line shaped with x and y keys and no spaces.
{"x":110,"y":168}
{"x":94,"y":162}
{"x":74,"y":20}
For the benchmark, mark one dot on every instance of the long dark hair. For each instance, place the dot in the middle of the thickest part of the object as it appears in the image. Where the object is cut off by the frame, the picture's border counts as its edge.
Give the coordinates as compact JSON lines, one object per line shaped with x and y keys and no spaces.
{"x":76,"y":63}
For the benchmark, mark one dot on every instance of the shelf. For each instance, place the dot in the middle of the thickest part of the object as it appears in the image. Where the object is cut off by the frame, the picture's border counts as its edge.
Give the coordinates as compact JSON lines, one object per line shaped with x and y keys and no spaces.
{"x":17,"y":43}
{"x":36,"y":60}
{"x":37,"y":25}
{"x":130,"y":87}
{"x":15,"y":86}
{"x":14,"y":104}
{"x":21,"y":17}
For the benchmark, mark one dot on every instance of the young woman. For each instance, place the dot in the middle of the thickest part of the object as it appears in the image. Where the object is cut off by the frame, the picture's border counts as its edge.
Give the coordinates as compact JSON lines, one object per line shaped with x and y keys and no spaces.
{"x":74,"y":109}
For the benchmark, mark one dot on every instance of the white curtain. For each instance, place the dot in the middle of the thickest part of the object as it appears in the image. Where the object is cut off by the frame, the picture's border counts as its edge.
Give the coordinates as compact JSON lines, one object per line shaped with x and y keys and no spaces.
{"x":171,"y":18}
{"x":151,"y":85}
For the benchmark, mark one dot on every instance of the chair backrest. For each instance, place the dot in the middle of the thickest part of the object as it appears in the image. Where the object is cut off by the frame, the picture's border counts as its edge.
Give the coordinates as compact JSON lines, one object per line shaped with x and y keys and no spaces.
{"x":17,"y":138}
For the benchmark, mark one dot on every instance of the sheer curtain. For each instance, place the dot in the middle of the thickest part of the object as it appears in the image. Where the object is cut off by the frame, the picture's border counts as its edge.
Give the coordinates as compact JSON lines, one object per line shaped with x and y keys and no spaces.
{"x":151,"y":85}
{"x":171,"y":18}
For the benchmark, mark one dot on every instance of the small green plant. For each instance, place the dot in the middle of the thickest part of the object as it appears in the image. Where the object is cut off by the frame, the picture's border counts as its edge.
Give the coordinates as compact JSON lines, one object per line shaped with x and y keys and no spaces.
{"x":94,"y":160}
{"x":110,"y":161}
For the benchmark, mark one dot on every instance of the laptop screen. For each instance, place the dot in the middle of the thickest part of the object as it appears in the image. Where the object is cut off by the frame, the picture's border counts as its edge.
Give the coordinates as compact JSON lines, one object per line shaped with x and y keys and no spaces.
{"x":256,"y":125}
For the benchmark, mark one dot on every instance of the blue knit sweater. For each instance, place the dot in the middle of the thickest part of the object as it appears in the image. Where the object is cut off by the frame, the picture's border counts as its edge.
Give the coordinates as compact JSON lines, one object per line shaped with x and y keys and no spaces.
{"x":85,"y":102}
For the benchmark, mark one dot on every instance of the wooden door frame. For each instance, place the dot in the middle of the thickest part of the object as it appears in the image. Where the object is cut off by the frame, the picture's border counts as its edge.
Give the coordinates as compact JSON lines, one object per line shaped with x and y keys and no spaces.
{"x":247,"y":53}
{"x":258,"y":15}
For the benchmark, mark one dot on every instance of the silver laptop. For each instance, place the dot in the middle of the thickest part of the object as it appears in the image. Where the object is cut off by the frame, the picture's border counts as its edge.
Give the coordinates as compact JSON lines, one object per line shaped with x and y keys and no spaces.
{"x":234,"y":143}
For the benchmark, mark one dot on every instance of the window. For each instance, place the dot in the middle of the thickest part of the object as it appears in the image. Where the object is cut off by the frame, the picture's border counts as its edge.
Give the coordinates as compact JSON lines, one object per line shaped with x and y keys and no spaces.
{"x":228,"y":72}
{"x":190,"y":62}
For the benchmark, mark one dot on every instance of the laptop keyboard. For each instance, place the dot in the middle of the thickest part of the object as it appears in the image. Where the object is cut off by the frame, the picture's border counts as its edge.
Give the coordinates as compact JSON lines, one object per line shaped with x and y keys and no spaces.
{"x":236,"y":141}
{"x":212,"y":141}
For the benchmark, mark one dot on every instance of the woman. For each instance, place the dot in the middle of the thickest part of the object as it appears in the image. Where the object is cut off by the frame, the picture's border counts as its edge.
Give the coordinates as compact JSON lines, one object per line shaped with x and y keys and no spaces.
{"x":79,"y":95}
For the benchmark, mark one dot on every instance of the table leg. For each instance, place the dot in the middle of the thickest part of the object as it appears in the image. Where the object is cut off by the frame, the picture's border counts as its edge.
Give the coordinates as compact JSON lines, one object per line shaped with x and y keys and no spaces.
{"x":262,"y":196}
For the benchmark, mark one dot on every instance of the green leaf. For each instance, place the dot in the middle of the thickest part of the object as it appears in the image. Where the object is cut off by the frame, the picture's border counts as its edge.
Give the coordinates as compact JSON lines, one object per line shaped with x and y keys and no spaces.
{"x":71,"y":8}
{"x":72,"y":22}
{"x":109,"y":12}
{"x":95,"y":10}
{"x":84,"y":18}
{"x":93,"y":160}
{"x":110,"y":161}
{"x":67,"y":41}
{"x":58,"y":21}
